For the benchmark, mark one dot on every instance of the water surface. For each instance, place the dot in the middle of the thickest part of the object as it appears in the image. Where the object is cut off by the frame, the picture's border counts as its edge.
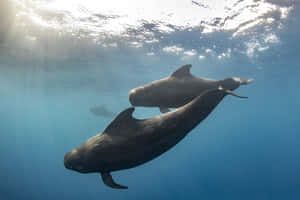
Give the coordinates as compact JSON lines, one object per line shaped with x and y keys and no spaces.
{"x":59,"y":60}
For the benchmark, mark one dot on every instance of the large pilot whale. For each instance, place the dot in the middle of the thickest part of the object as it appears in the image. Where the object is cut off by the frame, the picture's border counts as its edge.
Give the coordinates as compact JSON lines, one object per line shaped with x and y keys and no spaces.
{"x":128,"y":142}
{"x":178,"y":89}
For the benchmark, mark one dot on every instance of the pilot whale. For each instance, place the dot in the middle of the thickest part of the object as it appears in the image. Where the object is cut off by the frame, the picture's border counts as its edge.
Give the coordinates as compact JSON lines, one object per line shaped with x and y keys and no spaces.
{"x":128,"y":142}
{"x":178,"y":89}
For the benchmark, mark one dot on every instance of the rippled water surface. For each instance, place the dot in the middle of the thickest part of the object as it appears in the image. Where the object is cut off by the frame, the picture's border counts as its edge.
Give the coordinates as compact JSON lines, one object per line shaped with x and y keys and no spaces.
{"x":66,"y":68}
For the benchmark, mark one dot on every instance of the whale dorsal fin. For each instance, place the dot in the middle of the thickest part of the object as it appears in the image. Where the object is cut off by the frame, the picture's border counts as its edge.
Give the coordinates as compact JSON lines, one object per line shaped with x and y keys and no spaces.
{"x":125,"y":117}
{"x":183,"y":71}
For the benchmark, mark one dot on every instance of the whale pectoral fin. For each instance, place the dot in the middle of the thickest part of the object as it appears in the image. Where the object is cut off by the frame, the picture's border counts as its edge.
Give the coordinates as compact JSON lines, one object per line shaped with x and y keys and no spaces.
{"x":108,"y":180}
{"x":164,"y":109}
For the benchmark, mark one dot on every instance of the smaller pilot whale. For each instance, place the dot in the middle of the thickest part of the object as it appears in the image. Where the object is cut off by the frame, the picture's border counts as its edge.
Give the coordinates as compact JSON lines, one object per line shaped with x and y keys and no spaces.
{"x":128,"y":142}
{"x":178,"y":89}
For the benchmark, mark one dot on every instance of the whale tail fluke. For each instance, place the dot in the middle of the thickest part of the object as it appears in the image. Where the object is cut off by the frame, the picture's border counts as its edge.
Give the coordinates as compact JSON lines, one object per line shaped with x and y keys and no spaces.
{"x":246,"y":81}
{"x":108,"y":180}
{"x":231,"y":92}
{"x":234,"y":94}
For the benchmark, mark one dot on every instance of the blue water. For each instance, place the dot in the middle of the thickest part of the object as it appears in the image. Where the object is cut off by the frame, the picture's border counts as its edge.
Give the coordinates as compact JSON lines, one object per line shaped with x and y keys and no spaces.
{"x":246,"y":149}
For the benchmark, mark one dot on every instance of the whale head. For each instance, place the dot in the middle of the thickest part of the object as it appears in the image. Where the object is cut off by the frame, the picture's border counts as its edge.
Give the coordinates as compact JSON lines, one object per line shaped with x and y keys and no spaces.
{"x":81,"y":160}
{"x":73,"y":160}
{"x":134,"y":96}
{"x":141,"y":96}
{"x":87,"y":157}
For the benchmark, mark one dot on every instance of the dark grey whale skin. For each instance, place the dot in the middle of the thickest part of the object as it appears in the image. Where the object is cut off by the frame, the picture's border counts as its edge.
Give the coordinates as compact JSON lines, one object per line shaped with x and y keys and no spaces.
{"x":128,"y":142}
{"x":178,"y":89}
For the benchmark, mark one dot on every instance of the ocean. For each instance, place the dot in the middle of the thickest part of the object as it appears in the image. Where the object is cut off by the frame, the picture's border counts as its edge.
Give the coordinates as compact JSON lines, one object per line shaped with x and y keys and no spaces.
{"x":64,"y":76}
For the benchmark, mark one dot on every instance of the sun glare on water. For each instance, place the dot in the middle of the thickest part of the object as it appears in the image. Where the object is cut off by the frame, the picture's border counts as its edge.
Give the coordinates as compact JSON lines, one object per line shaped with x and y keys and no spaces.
{"x":179,"y":13}
{"x":212,"y":15}
{"x":142,"y":22}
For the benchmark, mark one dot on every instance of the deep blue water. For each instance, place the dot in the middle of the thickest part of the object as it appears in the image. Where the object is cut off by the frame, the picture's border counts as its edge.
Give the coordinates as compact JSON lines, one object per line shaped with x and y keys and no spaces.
{"x":246,"y":149}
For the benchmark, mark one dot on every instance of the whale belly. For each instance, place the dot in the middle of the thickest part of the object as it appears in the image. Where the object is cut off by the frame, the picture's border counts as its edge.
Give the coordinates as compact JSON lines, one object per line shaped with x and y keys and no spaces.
{"x":139,"y":149}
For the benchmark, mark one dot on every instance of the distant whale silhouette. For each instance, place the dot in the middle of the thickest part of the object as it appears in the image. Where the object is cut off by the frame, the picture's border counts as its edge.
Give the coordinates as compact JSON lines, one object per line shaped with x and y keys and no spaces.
{"x":101,"y":111}
{"x":178,"y":89}
{"x":128,"y":142}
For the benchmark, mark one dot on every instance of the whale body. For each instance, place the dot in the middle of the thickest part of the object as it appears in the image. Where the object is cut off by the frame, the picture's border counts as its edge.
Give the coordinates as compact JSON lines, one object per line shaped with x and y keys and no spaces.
{"x":178,"y":89}
{"x":128,"y":142}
